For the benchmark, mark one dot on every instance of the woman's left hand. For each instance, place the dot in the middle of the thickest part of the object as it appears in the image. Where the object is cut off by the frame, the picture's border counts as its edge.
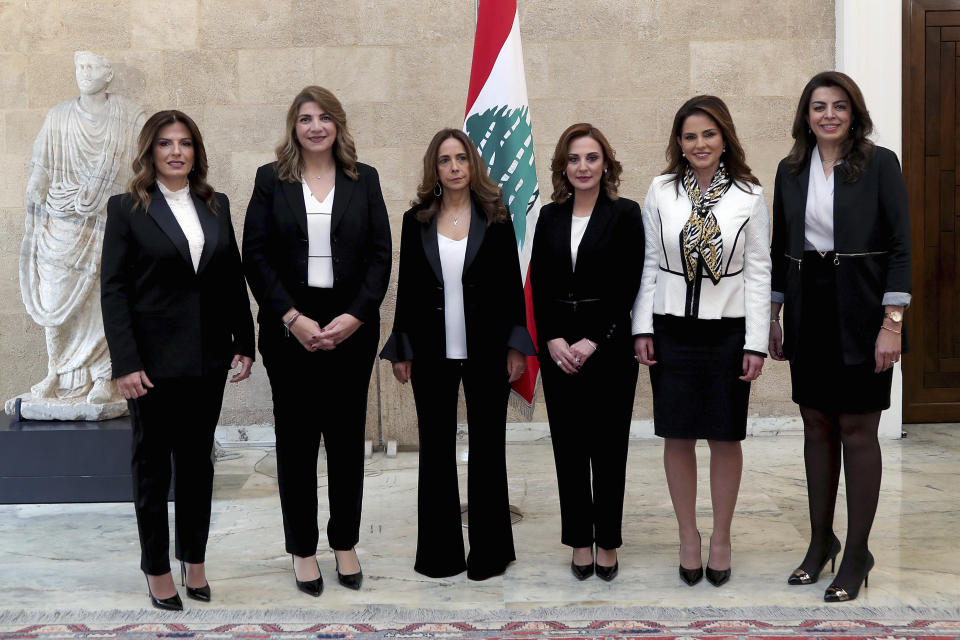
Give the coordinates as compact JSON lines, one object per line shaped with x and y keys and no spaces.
{"x":581,"y":350}
{"x":245,"y":363}
{"x":516,"y":364}
{"x":752,"y":365}
{"x":887,"y":350}
{"x":338,"y":330}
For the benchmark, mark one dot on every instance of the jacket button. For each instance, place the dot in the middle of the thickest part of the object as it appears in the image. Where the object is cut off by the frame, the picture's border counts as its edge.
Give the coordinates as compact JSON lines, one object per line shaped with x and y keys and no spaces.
{"x":570,"y":296}
{"x":336,"y":260}
{"x":334,"y":241}
{"x":613,"y":326}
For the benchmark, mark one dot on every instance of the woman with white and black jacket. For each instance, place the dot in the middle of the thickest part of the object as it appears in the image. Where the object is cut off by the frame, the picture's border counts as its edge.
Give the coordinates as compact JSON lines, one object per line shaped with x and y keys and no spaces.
{"x":700,"y":319}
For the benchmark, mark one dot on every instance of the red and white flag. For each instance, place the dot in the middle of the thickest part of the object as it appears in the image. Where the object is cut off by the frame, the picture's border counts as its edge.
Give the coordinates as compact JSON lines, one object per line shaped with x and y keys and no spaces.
{"x":498,"y":122}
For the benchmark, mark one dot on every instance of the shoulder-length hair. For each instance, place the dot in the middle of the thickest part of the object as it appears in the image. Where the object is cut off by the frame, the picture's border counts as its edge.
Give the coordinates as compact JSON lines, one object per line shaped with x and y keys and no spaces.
{"x":289,"y":151}
{"x":562,"y":189}
{"x":734,"y":158}
{"x":856,"y":149}
{"x":145,"y":173}
{"x":485,"y":192}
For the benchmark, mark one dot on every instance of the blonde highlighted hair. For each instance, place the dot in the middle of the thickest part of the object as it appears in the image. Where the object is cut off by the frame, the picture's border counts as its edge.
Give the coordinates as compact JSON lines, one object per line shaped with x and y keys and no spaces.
{"x":289,"y":151}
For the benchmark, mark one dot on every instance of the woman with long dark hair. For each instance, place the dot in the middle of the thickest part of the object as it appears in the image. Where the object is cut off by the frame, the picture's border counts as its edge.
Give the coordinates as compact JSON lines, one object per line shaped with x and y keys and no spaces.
{"x":701,"y":317}
{"x":316,"y":252}
{"x":460,"y":316}
{"x":176,"y":317}
{"x":841,"y":273}
{"x":585,"y":270}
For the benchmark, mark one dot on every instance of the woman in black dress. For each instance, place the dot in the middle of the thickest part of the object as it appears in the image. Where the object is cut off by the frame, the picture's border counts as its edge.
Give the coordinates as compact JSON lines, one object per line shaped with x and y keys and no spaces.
{"x":701,"y":317}
{"x":841,"y":271}
{"x":176,"y":318}
{"x":460,"y":316}
{"x":585,"y":270}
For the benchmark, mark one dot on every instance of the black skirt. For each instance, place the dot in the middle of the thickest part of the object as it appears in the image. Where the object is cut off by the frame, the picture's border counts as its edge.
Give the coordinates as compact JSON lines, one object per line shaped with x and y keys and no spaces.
{"x":819,"y":377}
{"x":697,"y":392}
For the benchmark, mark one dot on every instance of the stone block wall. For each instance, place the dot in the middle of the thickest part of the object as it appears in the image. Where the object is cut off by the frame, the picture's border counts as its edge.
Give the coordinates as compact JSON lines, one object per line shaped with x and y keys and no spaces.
{"x":401,"y":69}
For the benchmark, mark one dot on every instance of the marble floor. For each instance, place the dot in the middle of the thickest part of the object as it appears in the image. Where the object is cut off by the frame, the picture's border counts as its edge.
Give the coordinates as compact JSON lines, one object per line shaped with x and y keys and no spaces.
{"x":85,"y":556}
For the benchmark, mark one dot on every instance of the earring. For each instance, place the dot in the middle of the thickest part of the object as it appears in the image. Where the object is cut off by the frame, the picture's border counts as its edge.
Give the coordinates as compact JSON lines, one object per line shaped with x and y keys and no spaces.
{"x":604,"y":171}
{"x":438,"y":190}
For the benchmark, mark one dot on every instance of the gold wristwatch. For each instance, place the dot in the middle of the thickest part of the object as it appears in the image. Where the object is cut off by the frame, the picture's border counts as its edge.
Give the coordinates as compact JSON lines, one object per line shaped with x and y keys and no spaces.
{"x":896,"y":316}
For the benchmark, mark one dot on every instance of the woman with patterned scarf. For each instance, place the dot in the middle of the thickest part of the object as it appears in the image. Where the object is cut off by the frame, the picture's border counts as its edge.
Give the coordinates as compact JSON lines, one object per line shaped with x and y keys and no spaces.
{"x":700,"y":319}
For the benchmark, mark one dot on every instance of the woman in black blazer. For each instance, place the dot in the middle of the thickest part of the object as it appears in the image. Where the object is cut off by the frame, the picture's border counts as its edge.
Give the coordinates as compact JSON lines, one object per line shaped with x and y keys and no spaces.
{"x":176,"y":317}
{"x":585,"y":272}
{"x":460,"y":316}
{"x":316,"y":252}
{"x":841,"y":271}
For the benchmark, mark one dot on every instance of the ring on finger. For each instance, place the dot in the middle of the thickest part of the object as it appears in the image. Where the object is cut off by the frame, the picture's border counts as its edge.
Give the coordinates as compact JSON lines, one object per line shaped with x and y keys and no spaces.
{"x":559,"y":363}
{"x":577,"y":359}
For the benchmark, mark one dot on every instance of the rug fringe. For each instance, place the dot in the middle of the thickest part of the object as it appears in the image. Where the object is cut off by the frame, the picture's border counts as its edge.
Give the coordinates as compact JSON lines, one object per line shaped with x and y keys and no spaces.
{"x":400,"y":615}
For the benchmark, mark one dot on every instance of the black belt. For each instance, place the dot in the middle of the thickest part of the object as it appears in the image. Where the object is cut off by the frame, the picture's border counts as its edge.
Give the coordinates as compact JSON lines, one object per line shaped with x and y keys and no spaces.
{"x":576,"y":303}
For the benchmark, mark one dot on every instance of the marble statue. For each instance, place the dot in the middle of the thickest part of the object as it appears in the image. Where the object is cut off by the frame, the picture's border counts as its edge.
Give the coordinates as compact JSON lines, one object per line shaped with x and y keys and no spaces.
{"x":81,"y":157}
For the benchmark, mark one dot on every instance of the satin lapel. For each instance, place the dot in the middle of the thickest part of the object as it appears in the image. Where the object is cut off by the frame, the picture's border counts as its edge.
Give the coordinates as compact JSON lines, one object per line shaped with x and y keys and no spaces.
{"x":478,"y":229}
{"x":800,"y":224}
{"x":843,"y":201}
{"x":293,"y":192}
{"x":431,"y":247}
{"x":211,"y":230}
{"x":160,"y":212}
{"x":344,"y":189}
{"x":599,"y":219}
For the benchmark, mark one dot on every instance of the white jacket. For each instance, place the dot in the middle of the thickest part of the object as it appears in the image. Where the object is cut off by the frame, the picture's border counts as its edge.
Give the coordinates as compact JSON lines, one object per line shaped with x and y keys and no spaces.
{"x":744,"y":287}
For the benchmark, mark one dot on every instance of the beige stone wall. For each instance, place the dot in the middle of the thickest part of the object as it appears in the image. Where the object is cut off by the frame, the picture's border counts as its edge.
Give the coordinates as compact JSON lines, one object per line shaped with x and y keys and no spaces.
{"x":401,"y":68}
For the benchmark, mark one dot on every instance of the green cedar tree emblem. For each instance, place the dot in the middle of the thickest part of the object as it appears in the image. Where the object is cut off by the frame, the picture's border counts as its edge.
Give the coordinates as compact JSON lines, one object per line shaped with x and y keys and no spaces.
{"x":505,"y":140}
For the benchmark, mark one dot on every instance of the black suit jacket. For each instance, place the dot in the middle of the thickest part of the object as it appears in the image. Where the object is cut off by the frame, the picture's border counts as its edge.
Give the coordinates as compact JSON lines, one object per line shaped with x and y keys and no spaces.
{"x":158,"y":314}
{"x":871,"y":234}
{"x":493,"y":300}
{"x":594,"y":301}
{"x":275,"y":244}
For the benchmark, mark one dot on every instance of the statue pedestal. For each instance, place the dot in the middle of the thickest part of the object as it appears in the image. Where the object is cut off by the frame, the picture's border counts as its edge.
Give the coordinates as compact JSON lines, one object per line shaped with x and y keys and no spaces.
{"x":71,"y":409}
{"x":57,"y":461}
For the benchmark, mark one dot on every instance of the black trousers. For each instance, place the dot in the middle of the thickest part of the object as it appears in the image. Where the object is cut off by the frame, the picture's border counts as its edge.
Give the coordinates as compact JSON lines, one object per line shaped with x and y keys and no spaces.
{"x":319,"y":393}
{"x":176,"y":418}
{"x":440,"y":549}
{"x":589,"y":414}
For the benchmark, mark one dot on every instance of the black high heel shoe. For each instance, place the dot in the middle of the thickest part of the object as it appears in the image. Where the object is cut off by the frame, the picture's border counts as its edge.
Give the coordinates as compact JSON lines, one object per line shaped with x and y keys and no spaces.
{"x":173,"y":603}
{"x":582,"y":571}
{"x":608,"y":573}
{"x":718,"y":577}
{"x":197,"y":593}
{"x":835,"y":593}
{"x":351,"y":580}
{"x":799,"y":576}
{"x":310,"y":587}
{"x":692,"y":576}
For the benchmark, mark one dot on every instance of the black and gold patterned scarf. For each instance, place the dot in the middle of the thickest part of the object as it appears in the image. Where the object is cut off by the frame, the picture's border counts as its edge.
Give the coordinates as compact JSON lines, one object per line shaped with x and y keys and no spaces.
{"x":700,"y":237}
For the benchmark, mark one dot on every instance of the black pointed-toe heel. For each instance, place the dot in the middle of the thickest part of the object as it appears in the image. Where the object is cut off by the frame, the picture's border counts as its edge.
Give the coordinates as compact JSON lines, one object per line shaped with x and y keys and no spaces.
{"x":800,"y":577}
{"x":196,"y":593}
{"x":173,"y":603}
{"x":310,"y":587}
{"x":582,"y":571}
{"x":718,"y":577}
{"x":351,"y":580}
{"x":692,"y":576}
{"x":836,"y":593}
{"x":608,"y":573}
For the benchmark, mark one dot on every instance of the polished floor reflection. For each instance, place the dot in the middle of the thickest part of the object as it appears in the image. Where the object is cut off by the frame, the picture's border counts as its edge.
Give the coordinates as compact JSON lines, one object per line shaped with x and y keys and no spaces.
{"x":86,"y":556}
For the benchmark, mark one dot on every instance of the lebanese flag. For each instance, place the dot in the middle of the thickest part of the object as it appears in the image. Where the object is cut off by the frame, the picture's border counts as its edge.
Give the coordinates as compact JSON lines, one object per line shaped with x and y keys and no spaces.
{"x":498,"y":122}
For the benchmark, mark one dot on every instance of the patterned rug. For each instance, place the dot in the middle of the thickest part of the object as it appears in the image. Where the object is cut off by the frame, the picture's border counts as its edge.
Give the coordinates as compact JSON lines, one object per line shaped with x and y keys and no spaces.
{"x":717,"y":629}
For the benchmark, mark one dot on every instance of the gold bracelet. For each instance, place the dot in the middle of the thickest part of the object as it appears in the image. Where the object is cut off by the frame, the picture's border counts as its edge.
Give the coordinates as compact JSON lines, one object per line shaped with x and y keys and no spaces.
{"x":883,"y":326}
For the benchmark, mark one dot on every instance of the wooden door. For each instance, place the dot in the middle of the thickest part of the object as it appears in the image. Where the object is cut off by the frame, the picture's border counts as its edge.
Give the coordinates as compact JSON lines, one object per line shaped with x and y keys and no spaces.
{"x":931,"y":164}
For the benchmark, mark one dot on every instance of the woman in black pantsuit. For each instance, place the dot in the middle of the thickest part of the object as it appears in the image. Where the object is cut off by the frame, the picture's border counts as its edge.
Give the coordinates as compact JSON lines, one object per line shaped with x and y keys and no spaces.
{"x":585,"y":271}
{"x":176,"y":317}
{"x":316,"y":252}
{"x":460,"y":316}
{"x":841,"y":271}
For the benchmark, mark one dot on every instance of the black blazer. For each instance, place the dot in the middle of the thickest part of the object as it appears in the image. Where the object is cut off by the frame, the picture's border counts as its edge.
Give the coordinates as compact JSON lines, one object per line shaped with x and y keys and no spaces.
{"x":871,"y":235}
{"x":158,"y":314}
{"x":275,"y":244}
{"x":493,"y":302}
{"x":595,"y":300}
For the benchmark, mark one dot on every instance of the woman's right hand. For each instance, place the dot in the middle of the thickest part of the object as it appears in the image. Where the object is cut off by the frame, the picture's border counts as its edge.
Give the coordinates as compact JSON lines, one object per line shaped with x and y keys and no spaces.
{"x":134,"y":385}
{"x":776,"y":341}
{"x":562,"y":356}
{"x":401,"y":371}
{"x":643,"y":347}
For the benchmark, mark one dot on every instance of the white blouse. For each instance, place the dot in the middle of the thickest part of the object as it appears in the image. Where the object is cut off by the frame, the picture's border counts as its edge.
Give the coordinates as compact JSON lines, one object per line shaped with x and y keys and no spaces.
{"x":578,"y":225}
{"x":743,"y":290}
{"x":818,"y":218}
{"x":181,"y":204}
{"x":452,"y":255}
{"x":320,"y":255}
